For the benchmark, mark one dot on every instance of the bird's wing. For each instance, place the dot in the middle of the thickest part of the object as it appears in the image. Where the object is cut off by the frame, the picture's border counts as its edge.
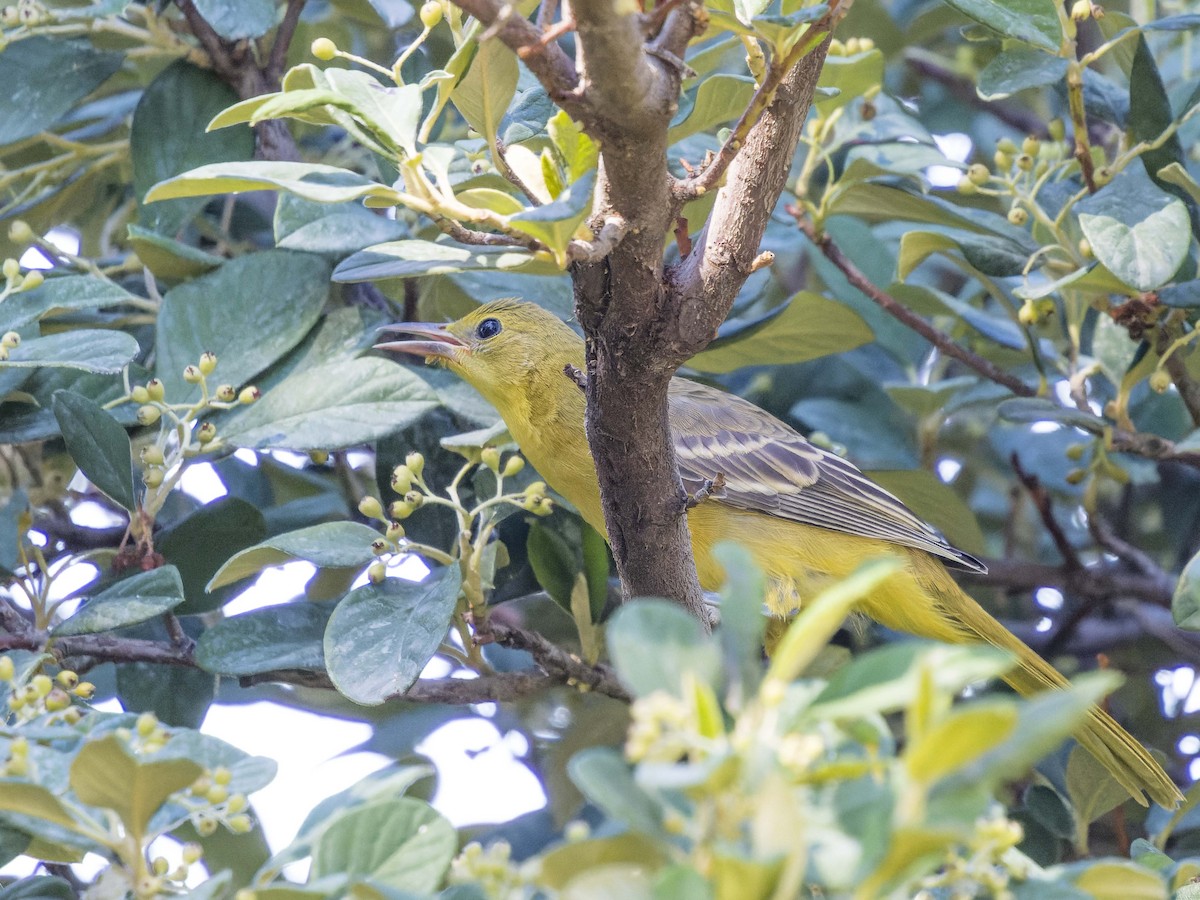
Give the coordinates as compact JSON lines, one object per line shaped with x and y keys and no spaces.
{"x":769,"y":467}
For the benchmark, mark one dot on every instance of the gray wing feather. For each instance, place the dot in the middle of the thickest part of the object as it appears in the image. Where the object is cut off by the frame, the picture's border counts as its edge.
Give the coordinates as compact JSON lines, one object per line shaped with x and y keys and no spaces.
{"x":769,"y":467}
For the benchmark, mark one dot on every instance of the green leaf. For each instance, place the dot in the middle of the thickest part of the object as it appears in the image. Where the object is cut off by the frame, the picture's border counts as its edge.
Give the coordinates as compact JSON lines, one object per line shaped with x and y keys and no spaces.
{"x":45,"y":78}
{"x":483,"y":94}
{"x":653,"y":643}
{"x":1120,"y":879}
{"x":1019,"y":70}
{"x":576,"y":150}
{"x":236,"y":20}
{"x":785,"y":335}
{"x":332,"y":229}
{"x":886,"y":679}
{"x":1185,"y":602}
{"x":286,"y":636}
{"x":850,"y":77}
{"x":137,"y":598}
{"x":38,"y":887}
{"x":491,"y":199}
{"x":1091,"y":789}
{"x":329,"y":545}
{"x":1034,"y":22}
{"x":568,"y":867}
{"x":250,"y":312}
{"x":99,"y":446}
{"x":716,"y":100}
{"x":392,"y":113}
{"x":963,"y":735}
{"x":402,"y":844}
{"x":603,"y":776}
{"x":60,"y":294}
{"x":1138,"y":232}
{"x":991,"y":254}
{"x":553,"y":561}
{"x":33,"y":800}
{"x":85,"y":349}
{"x":203,"y":542}
{"x":381,"y":635}
{"x":105,"y":774}
{"x":595,"y":569}
{"x":742,"y":619}
{"x":1150,"y":114}
{"x":312,"y":181}
{"x":405,"y":259}
{"x":1036,"y":409}
{"x":167,"y":137}
{"x":168,"y":258}
{"x":332,"y":406}
{"x":554,"y":224}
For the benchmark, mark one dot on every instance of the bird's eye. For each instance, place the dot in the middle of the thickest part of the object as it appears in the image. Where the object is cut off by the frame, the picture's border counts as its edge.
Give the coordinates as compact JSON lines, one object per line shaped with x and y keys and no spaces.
{"x":487,"y":328}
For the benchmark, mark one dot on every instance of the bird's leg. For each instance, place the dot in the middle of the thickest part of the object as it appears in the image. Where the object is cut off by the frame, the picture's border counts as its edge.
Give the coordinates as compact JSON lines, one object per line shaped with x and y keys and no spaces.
{"x":712,"y":488}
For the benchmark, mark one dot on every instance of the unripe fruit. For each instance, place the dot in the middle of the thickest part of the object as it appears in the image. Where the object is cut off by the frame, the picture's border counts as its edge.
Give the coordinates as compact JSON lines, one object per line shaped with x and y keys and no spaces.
{"x":152,"y":455}
{"x":19,"y":232}
{"x":395,"y":531}
{"x":1018,"y":216}
{"x":490,"y":456}
{"x":1160,"y":381}
{"x":66,"y":679}
{"x":402,"y":479}
{"x":1103,"y":176}
{"x":57,"y":700}
{"x":139,"y":395}
{"x":1085,"y":248}
{"x":248,"y":395}
{"x":216,"y":794}
{"x":966,"y":186}
{"x":415,"y":499}
{"x":370,"y":507}
{"x":11,"y":340}
{"x":160,"y":866}
{"x":318,"y":457}
{"x":153,"y":477}
{"x":7,"y":668}
{"x":379,"y":547}
{"x":72,"y":715}
{"x":324,"y":49}
{"x":191,"y":853}
{"x":208,"y":362}
{"x":514,"y":465}
{"x":431,"y":13}
{"x":1002,"y":160}
{"x":147,"y":724}
{"x":222,"y":776}
{"x":19,"y":746}
{"x":11,"y":269}
{"x":416,"y":463}
{"x":192,"y":375}
{"x":377,"y":572}
{"x":226,"y":393}
{"x":241,"y":824}
{"x":206,"y":826}
{"x":42,"y":684}
{"x":237,"y":803}
{"x":1006,"y":145}
{"x":1076,"y":476}
{"x":400,"y":510}
{"x":1025,"y":162}
{"x":1075,"y":452}
{"x":1081,"y":9}
{"x":1030,"y":146}
{"x":1057,"y":129}
{"x":1027,"y":314}
{"x":978,"y":173}
{"x":85,"y":690}
{"x":32,"y":280}
{"x":148,"y":415}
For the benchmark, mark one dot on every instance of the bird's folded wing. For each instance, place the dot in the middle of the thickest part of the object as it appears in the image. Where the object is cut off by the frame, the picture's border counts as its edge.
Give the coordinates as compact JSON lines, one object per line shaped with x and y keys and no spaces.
{"x":769,"y":467}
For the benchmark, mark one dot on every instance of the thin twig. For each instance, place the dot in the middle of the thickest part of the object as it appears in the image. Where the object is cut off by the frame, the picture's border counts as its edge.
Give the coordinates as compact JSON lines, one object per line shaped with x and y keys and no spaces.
{"x":577,"y":376}
{"x":897,"y":310}
{"x":11,"y":619}
{"x":558,"y":663}
{"x":611,"y":233}
{"x":283,"y":38}
{"x":713,"y":488}
{"x":1041,"y":501}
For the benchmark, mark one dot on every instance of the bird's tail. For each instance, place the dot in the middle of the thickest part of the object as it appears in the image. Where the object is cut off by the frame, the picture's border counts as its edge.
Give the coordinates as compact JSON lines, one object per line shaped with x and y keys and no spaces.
{"x":1129,"y":763}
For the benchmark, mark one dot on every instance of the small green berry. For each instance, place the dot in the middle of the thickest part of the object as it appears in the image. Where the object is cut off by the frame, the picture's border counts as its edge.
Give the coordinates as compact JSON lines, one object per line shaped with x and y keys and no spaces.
{"x":57,"y":700}
{"x":370,"y":507}
{"x":19,"y":232}
{"x":208,"y":362}
{"x":42,"y":684}
{"x":1160,"y":381}
{"x":490,"y":456}
{"x":226,"y":393}
{"x":7,"y":668}
{"x":152,"y":455}
{"x":147,"y":724}
{"x":377,"y":572}
{"x":66,"y":679}
{"x":153,"y":476}
{"x":1018,"y":216}
{"x":431,"y":14}
{"x":11,"y":340}
{"x":402,"y":479}
{"x":514,"y":465}
{"x":206,"y":433}
{"x":248,"y":395}
{"x":416,"y":463}
{"x":1025,"y":162}
{"x":1030,"y":146}
{"x":156,"y":389}
{"x":324,"y":49}
{"x":139,"y":394}
{"x":148,"y":415}
{"x":32,"y":280}
{"x":192,"y":375}
{"x":979,"y":174}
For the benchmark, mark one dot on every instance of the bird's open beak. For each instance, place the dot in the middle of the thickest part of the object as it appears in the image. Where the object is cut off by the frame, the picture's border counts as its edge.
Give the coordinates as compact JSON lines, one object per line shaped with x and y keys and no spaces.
{"x":437,"y":343}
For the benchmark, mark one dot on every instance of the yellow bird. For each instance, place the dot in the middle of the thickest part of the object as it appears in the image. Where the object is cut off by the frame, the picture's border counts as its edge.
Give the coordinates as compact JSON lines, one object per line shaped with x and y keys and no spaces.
{"x":806,"y":515}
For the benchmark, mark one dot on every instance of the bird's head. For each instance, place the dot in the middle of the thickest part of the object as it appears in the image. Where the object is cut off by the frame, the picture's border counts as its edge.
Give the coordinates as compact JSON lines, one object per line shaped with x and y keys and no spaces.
{"x":500,"y":344}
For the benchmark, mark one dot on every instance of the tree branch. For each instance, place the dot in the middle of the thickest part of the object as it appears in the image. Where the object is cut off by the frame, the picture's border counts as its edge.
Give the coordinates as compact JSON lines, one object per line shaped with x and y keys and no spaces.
{"x":283,"y":38}
{"x":555,"y":665}
{"x":900,"y":312}
{"x":724,"y":252}
{"x":1041,"y":501}
{"x":547,"y":61}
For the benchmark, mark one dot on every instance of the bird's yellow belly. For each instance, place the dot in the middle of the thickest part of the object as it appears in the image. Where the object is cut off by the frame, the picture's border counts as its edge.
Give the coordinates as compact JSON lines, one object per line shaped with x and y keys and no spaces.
{"x":801,"y":559}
